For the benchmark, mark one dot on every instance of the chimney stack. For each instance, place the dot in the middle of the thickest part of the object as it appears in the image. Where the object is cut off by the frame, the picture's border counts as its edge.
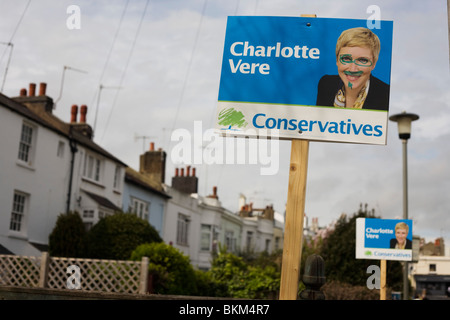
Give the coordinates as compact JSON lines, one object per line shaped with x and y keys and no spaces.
{"x":81,"y":126}
{"x":153,"y":164}
{"x":32,"y":91}
{"x":42,"y":88}
{"x":83,"y":112}
{"x":37,"y":104}
{"x":73,"y":113}
{"x":185,"y":183}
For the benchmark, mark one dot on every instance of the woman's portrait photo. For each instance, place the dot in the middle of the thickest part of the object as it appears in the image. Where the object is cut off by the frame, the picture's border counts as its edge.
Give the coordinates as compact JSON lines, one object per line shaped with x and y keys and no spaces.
{"x":357,"y":51}
{"x":400,"y":241}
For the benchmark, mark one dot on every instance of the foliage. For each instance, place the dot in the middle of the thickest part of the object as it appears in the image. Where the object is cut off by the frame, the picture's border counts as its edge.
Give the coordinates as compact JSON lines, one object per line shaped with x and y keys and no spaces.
{"x":243,"y":280}
{"x":207,"y":286}
{"x":66,"y":238}
{"x":116,"y":236}
{"x":335,"y":290}
{"x":264,"y":259}
{"x":170,"y":269}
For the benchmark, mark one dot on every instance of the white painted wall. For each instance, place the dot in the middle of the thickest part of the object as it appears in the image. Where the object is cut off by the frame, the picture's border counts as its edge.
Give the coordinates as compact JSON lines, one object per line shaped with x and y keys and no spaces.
{"x":44,"y":180}
{"x":442,"y":264}
{"x":185,"y":204}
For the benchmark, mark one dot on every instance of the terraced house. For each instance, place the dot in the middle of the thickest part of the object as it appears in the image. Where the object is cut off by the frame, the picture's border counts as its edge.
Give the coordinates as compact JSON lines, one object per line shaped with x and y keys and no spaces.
{"x":49,"y":167}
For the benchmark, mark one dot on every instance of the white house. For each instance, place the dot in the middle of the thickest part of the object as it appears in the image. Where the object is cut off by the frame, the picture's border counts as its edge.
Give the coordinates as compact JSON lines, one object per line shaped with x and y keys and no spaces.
{"x":197,"y":225}
{"x":219,"y":226}
{"x":49,"y":167}
{"x":431,"y":275}
{"x":259,"y":229}
{"x":183,"y":217}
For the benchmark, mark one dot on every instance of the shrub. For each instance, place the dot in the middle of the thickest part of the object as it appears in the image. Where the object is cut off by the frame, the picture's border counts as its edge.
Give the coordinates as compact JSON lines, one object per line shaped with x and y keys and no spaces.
{"x":116,"y":236}
{"x":170,"y":270}
{"x":335,"y":290}
{"x":242,"y":280}
{"x":207,"y":286}
{"x":66,"y":238}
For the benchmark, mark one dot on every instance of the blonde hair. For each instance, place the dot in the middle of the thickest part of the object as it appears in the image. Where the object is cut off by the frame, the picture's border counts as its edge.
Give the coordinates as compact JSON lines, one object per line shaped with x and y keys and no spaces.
{"x":402,"y":225}
{"x":359,"y":37}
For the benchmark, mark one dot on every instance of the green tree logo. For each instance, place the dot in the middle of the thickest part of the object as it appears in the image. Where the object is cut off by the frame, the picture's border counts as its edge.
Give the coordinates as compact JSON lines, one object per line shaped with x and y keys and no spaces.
{"x":231,"y":117}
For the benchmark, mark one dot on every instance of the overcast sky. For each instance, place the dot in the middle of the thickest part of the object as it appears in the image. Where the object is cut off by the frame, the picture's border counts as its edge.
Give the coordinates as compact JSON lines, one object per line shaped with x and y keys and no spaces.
{"x":166,"y":55}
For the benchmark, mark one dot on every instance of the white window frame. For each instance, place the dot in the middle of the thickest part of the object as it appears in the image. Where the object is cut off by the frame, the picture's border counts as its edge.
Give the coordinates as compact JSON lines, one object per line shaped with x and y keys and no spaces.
{"x":19,"y":212}
{"x":92,"y":167}
{"x":91,"y":215}
{"x":249,"y":240}
{"x":61,"y":149}
{"x":230,"y":241}
{"x":88,"y":214}
{"x":117,"y":175}
{"x":183,"y":223}
{"x":88,"y":217}
{"x":27,"y":144}
{"x":140,"y":208}
{"x":205,"y":237}
{"x":267,"y":245}
{"x":277,"y":243}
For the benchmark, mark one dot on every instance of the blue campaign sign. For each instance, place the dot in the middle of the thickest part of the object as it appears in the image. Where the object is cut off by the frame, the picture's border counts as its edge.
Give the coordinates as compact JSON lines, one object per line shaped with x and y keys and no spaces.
{"x":305,"y":78}
{"x":389,"y":239}
{"x":388,"y":234}
{"x":281,"y":59}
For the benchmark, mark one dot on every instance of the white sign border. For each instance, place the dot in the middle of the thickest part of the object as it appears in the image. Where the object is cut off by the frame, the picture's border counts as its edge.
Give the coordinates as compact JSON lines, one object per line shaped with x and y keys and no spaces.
{"x":371,"y":126}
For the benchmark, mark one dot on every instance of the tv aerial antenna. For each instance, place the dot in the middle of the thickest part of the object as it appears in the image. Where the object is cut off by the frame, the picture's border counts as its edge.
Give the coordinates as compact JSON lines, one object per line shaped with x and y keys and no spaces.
{"x":62,"y":82}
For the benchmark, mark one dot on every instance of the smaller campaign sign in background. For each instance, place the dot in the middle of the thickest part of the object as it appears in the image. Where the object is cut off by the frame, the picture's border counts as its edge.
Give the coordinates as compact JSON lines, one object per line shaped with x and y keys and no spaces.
{"x":374,"y":236}
{"x":379,"y":232}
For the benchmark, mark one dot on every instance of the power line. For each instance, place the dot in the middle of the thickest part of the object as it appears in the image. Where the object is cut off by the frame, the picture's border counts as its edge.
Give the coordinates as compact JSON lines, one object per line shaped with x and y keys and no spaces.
{"x":189,"y":66}
{"x":101,"y":87}
{"x":126,"y":65}
{"x":9,"y":43}
{"x":110,"y":51}
{"x":17,"y":27}
{"x":221,"y":168}
{"x":114,"y":41}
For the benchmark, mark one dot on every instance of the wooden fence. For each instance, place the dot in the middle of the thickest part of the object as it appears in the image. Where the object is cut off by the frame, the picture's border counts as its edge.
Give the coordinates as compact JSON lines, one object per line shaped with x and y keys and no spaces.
{"x":75,"y":273}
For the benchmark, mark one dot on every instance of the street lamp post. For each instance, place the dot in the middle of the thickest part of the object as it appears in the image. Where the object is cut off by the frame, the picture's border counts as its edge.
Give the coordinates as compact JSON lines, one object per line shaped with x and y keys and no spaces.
{"x":404,"y":131}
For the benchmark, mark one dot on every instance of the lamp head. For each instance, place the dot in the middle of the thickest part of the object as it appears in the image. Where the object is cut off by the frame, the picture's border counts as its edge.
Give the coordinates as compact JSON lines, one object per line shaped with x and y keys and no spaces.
{"x":404,"y":123}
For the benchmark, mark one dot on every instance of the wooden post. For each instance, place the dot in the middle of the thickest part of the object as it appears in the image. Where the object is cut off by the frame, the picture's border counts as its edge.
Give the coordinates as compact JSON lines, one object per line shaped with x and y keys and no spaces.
{"x":143,"y":278}
{"x":383,"y":280}
{"x":43,"y":271}
{"x":293,"y":228}
{"x":295,"y":212}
